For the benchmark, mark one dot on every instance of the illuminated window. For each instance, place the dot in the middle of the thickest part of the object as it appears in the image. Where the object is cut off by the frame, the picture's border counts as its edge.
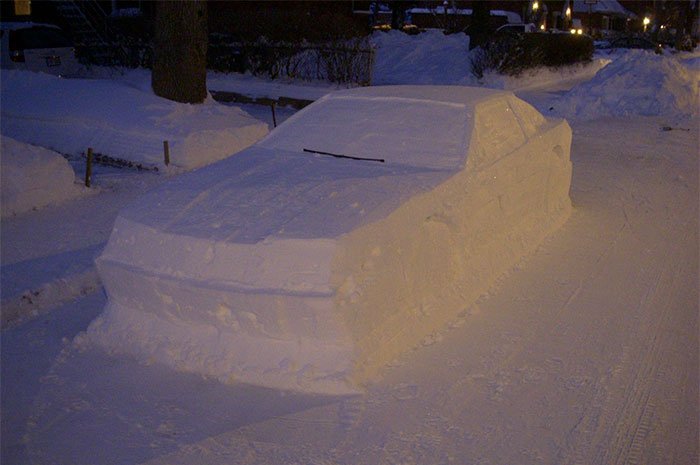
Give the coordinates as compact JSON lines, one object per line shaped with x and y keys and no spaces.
{"x":23,"y":7}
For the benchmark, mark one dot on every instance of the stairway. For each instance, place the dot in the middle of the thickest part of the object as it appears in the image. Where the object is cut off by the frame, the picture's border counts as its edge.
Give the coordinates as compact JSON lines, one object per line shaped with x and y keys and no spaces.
{"x":96,"y":42}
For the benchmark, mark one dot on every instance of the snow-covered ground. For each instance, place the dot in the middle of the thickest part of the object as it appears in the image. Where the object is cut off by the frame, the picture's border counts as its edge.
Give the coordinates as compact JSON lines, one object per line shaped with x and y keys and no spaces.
{"x":586,"y":352}
{"x":121,"y":119}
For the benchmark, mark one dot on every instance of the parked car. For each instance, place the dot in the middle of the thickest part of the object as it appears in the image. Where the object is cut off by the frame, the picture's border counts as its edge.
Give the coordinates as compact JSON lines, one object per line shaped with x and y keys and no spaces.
{"x":37,"y":47}
{"x":354,"y":230}
{"x":516,"y":28}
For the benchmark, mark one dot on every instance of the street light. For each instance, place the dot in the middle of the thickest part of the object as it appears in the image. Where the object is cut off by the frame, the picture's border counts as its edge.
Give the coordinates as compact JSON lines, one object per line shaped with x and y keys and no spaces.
{"x":646,"y":22}
{"x":535,"y":5}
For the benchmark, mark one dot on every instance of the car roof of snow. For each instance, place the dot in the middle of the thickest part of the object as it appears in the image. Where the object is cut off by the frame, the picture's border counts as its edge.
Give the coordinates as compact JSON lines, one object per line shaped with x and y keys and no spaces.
{"x":468,"y":96}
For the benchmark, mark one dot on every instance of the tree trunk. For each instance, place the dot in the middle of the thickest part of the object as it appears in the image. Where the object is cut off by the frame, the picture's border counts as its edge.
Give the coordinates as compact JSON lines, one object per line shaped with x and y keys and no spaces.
{"x":180,"y":51}
{"x":480,"y":28}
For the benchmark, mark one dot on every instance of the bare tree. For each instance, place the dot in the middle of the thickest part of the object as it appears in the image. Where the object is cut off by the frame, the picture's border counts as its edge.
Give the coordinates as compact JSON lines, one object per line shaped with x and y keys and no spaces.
{"x":180,"y":51}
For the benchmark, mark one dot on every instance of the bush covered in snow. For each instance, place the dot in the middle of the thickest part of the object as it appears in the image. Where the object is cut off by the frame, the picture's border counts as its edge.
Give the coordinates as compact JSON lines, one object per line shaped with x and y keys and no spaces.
{"x":344,"y":61}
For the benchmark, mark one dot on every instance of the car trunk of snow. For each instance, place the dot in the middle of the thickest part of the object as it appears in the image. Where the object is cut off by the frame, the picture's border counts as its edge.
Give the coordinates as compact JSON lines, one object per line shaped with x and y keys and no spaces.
{"x":305,"y":272}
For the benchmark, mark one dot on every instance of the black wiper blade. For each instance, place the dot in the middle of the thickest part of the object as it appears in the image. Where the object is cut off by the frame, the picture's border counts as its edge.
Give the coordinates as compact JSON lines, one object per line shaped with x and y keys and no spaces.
{"x":336,"y":155}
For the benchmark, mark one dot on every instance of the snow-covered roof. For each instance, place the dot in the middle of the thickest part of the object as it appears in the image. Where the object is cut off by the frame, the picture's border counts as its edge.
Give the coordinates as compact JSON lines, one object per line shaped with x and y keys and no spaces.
{"x":510,"y":15}
{"x":463,"y":95}
{"x":609,"y":7}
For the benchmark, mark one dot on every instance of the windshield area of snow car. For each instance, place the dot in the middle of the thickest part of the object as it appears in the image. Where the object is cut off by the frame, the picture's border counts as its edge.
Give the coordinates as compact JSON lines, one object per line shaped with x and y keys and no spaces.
{"x":417,"y":133}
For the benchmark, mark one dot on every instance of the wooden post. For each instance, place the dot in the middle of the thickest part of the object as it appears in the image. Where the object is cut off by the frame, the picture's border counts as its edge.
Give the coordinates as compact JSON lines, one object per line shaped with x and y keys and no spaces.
{"x":88,"y":168}
{"x":166,"y":152}
{"x":274,"y":118}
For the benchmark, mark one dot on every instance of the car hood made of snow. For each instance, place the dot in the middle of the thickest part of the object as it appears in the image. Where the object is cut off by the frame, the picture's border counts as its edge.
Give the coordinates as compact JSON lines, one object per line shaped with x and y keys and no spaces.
{"x":261,"y":193}
{"x":263,"y":220}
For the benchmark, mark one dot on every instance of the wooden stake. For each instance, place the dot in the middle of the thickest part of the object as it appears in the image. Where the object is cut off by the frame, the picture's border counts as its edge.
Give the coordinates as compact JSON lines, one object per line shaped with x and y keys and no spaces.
{"x":166,"y":152}
{"x":274,"y":119}
{"x":88,"y":168}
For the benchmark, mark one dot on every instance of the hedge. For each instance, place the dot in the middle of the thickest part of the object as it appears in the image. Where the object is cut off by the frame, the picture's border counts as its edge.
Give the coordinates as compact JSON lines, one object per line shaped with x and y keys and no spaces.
{"x":514,"y":53}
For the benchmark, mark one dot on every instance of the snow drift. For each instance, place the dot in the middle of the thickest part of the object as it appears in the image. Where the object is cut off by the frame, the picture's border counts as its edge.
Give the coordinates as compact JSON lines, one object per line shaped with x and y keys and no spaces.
{"x":33,"y":177}
{"x":301,"y":271}
{"x":427,"y":58}
{"x":637,"y":83}
{"x":121,"y":120}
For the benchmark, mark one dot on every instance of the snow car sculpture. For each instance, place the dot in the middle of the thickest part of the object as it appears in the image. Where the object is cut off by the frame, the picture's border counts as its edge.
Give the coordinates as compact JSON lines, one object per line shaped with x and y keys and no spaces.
{"x":359,"y":227}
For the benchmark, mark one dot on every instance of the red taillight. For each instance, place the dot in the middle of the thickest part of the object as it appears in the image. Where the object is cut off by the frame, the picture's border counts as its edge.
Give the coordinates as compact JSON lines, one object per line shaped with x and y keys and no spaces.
{"x":17,"y":56}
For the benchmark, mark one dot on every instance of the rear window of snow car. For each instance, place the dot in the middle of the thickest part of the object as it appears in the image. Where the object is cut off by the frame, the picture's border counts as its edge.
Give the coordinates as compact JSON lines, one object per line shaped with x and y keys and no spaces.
{"x":404,"y":131}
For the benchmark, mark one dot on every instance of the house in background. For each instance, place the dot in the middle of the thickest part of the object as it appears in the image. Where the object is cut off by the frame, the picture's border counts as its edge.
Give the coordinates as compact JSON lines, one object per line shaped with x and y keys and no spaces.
{"x":604,"y":17}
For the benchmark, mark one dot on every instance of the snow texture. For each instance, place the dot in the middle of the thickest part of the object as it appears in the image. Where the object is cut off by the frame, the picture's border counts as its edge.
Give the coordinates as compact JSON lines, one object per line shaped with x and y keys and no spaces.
{"x":32,"y":177}
{"x":428,"y":58}
{"x":121,"y":119}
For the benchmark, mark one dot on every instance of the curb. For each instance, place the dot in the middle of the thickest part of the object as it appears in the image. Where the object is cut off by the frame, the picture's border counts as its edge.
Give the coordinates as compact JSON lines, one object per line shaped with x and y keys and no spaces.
{"x":228,"y":97}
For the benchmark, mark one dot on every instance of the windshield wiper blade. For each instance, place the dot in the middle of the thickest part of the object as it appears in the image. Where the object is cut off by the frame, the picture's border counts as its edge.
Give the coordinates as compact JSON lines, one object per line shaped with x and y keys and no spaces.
{"x":380,"y":160}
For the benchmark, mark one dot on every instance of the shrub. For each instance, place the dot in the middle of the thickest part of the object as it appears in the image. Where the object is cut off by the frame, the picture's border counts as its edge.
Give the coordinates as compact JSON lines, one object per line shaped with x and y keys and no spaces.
{"x":338,"y":61}
{"x":514,"y":53}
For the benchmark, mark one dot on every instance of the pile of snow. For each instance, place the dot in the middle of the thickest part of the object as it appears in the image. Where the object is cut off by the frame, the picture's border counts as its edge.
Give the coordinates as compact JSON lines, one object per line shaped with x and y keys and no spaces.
{"x":247,"y":84}
{"x":435,"y":58}
{"x":636,"y":83}
{"x":553,"y":79}
{"x":121,"y":119}
{"x":427,"y":58}
{"x":33,"y":177}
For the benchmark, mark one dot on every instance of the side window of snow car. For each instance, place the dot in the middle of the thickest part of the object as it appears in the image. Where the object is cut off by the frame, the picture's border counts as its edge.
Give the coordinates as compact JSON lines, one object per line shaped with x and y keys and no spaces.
{"x":498,"y":131}
{"x":530,"y":119}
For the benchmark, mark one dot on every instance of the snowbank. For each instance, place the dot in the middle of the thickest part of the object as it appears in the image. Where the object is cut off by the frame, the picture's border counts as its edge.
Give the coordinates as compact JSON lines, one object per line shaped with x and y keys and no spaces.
{"x":427,"y":58}
{"x":636,"y":83}
{"x":553,"y":79}
{"x":33,"y":177}
{"x":247,"y":84}
{"x":121,"y":119}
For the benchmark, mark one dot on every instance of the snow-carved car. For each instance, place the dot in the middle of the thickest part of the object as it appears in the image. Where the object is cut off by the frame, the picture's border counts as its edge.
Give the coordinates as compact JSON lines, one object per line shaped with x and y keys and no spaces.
{"x":355,"y":230}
